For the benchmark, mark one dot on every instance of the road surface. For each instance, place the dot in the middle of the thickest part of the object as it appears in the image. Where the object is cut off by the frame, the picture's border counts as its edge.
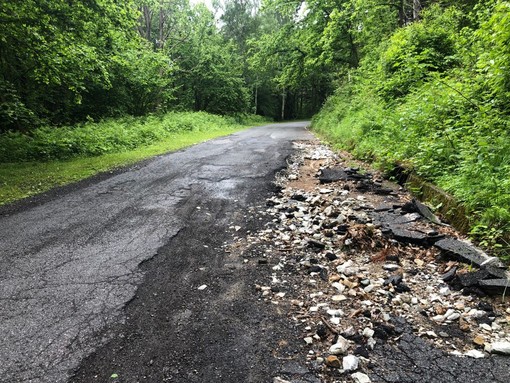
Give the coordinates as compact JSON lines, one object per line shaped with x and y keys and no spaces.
{"x":110,"y":269}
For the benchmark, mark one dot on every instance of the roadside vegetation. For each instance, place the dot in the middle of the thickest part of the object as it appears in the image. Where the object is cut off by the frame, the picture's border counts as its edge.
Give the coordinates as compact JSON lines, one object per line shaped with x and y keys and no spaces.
{"x":434,"y":96}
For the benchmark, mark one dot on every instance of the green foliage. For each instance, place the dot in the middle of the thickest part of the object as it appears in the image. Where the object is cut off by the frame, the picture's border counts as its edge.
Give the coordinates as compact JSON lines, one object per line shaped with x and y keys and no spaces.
{"x":209,"y":73}
{"x":494,"y":51}
{"x":419,"y":50}
{"x":435,"y":96}
{"x":109,"y":136}
{"x":52,"y":51}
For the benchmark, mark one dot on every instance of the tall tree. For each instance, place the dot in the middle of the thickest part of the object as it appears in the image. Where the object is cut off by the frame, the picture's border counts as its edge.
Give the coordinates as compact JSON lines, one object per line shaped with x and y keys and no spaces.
{"x":53,"y":51}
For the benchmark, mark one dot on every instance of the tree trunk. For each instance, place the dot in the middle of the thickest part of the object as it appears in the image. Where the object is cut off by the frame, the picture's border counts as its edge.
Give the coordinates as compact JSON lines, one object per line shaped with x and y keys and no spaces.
{"x":146,"y":23}
{"x":402,"y":19}
{"x":416,"y":9}
{"x":283,"y":105}
{"x":354,"y":51}
{"x":161,"y":28}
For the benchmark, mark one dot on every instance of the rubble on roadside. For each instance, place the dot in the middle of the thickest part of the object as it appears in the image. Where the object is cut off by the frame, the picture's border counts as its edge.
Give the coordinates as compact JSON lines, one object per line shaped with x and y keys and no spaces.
{"x":353,"y":259}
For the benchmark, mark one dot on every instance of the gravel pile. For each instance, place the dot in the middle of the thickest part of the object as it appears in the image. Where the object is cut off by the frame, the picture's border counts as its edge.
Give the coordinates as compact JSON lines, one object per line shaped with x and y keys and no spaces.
{"x":352,"y":261}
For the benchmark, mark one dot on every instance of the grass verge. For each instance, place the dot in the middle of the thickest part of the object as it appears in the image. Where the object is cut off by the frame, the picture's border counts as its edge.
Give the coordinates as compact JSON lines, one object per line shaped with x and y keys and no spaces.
{"x":24,"y":179}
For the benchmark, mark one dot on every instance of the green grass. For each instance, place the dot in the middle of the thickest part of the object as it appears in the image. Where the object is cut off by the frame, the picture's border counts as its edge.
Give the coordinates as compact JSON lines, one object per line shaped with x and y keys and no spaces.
{"x":23,"y":179}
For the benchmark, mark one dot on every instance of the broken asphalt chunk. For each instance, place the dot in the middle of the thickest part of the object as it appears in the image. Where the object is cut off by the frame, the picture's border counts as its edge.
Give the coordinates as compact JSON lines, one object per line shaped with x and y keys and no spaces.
{"x":425,"y":211}
{"x":462,"y":251}
{"x":332,"y":175}
{"x":450,"y":275}
{"x":312,"y":243}
{"x":495,"y":286}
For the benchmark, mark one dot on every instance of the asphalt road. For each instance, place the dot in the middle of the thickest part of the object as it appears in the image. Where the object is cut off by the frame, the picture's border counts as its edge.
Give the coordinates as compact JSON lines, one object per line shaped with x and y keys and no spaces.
{"x":102,"y":278}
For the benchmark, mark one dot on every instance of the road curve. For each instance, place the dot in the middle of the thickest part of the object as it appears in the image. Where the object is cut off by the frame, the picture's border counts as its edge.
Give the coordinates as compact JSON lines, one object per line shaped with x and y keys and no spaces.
{"x":70,"y":265}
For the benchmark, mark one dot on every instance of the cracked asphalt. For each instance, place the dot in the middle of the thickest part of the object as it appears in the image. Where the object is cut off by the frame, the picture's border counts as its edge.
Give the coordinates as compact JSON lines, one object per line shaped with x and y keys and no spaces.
{"x":110,"y":268}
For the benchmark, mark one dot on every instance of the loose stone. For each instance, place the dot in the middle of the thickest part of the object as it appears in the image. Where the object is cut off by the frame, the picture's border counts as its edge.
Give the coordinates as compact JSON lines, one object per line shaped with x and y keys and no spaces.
{"x":479,"y":340}
{"x":498,"y":348}
{"x":333,"y":361}
{"x":350,"y":363}
{"x":280,"y":380}
{"x":359,"y":377}
{"x":340,"y":347}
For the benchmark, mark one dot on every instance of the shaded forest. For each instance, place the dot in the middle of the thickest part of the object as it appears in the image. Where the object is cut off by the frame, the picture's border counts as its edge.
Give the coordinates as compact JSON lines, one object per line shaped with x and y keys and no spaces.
{"x":64,"y":62}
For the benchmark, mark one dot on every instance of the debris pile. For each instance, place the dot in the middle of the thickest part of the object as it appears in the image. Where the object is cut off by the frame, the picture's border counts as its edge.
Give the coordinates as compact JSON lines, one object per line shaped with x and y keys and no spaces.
{"x":355,"y":261}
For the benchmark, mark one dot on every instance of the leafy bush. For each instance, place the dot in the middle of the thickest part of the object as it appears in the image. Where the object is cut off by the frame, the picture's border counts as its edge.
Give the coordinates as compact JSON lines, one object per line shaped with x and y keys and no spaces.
{"x":416,"y":51}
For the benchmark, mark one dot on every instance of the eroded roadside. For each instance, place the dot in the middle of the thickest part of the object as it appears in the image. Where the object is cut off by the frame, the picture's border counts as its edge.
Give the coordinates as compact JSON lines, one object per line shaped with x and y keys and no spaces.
{"x":371,"y":280}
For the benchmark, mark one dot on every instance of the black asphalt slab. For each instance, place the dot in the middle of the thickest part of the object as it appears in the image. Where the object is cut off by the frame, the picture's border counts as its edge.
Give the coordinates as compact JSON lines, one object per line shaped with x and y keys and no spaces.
{"x":111,"y":270}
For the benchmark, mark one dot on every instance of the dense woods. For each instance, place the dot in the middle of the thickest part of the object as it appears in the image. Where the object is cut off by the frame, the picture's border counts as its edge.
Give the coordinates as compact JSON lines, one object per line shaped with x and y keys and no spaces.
{"x":423,"y":83}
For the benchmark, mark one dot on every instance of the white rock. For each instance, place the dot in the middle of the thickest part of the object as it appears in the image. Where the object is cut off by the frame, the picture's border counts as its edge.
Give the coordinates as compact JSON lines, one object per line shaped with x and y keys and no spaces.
{"x":339,"y":286}
{"x":475,"y":354}
{"x":371,"y":343}
{"x":486,"y":327}
{"x":328,"y":211}
{"x":431,"y":334}
{"x":203,"y":287}
{"x":350,"y":363}
{"x":308,"y":340}
{"x":340,"y":347}
{"x":335,"y":320}
{"x":498,"y":348}
{"x":476,"y":313}
{"x":453,"y":316}
{"x":341,"y":268}
{"x":335,"y":313}
{"x":369,"y":288}
{"x":448,"y":313}
{"x":338,"y":298}
{"x":350,"y":271}
{"x":349,"y":331}
{"x":391,"y":267}
{"x":368,"y":332}
{"x":359,"y":377}
{"x":280,"y":380}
